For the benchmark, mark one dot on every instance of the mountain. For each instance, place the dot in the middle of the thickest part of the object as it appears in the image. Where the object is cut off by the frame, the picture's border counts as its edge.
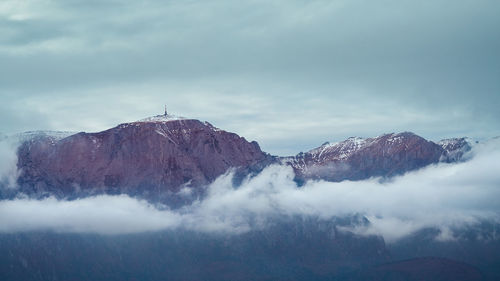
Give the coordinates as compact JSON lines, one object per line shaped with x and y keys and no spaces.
{"x":150,"y":158}
{"x":387,"y":155}
{"x":158,"y":157}
{"x":455,"y":148}
{"x":171,"y":160}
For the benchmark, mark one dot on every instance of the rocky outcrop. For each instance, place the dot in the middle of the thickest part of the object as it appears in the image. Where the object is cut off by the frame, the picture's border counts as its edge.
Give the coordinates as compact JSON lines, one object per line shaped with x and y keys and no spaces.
{"x":455,"y":149}
{"x":162,"y":156}
{"x":357,"y":158}
{"x":151,"y":157}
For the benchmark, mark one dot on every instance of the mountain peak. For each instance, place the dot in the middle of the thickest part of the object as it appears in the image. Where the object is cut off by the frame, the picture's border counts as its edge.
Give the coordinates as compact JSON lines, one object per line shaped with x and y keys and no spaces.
{"x":358,"y":158}
{"x":456,"y":148}
{"x":152,"y":158}
{"x":161,"y":118}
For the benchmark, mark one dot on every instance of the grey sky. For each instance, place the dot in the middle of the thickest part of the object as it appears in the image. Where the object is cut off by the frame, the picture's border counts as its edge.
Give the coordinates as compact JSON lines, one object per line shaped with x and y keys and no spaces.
{"x":289,"y":74}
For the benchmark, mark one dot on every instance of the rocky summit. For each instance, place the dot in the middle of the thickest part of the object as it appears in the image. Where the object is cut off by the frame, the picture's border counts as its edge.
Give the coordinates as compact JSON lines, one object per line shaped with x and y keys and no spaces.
{"x":149,"y":157}
{"x":384,"y":156}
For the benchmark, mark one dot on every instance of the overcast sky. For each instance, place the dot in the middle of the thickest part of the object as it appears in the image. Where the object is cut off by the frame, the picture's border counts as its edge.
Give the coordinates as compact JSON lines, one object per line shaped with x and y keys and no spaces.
{"x":289,"y":74}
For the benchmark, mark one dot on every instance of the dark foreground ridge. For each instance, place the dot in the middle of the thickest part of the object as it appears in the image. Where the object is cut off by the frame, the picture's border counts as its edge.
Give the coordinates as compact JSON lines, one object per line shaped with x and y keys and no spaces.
{"x":294,"y":250}
{"x":157,"y":157}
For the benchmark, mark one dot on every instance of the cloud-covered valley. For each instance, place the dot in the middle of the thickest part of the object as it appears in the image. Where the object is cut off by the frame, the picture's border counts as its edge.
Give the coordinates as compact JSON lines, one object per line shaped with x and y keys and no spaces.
{"x":443,"y":196}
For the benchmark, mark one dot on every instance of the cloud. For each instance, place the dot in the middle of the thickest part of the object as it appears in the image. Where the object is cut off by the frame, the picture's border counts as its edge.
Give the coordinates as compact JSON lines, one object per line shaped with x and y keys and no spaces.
{"x":443,"y":196}
{"x":101,"y":214}
{"x":271,"y":70}
{"x":8,"y":162}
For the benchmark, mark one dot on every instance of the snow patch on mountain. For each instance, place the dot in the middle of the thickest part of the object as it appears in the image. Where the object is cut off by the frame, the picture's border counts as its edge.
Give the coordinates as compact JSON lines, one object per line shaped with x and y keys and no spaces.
{"x":456,"y":149}
{"x":341,"y":150}
{"x":55,"y":135}
{"x":162,"y":118}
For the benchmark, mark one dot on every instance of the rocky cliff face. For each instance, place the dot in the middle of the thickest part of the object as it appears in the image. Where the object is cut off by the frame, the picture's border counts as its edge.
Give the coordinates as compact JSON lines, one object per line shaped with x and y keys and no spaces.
{"x":149,"y":157}
{"x":455,"y":149}
{"x":357,"y":158}
{"x":157,"y":157}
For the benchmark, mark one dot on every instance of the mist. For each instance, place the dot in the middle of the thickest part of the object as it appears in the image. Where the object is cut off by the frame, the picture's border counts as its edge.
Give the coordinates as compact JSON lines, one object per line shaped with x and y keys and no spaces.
{"x":8,"y":161}
{"x":442,"y":196}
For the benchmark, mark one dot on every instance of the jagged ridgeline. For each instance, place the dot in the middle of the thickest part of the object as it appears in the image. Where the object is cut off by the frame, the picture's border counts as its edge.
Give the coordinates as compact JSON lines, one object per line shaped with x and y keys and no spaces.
{"x":156,"y":157}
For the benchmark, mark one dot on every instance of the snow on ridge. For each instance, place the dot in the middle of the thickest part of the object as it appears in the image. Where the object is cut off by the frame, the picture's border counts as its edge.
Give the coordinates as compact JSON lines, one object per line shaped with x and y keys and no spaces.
{"x":162,"y":118}
{"x":342,"y":149}
{"x":57,"y":135}
{"x":395,"y":139}
{"x":456,"y":149}
{"x":324,"y":147}
{"x":350,"y":146}
{"x":215,"y":129}
{"x":356,"y":141}
{"x":170,"y":117}
{"x":165,"y":118}
{"x":454,"y":141}
{"x":462,"y":144}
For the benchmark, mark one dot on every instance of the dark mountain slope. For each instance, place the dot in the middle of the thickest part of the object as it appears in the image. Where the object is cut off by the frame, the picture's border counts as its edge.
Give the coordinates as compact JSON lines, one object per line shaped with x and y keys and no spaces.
{"x":149,"y":157}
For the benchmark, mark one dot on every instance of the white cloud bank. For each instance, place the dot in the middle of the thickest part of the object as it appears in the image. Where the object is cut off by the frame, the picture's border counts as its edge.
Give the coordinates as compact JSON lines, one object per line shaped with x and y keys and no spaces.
{"x":443,"y":196}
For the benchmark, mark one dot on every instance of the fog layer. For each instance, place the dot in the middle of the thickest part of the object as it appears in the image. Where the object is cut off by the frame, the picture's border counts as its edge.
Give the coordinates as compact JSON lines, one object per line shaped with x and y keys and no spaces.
{"x":443,"y":196}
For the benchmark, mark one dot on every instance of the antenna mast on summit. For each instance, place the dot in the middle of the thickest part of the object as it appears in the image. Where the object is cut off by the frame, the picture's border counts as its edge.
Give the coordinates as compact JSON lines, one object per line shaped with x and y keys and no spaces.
{"x":166,"y":110}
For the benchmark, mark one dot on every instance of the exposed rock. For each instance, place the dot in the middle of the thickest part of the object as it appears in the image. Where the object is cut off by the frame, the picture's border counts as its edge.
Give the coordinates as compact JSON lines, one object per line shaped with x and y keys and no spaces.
{"x":455,"y":149}
{"x":357,"y":158}
{"x":157,"y":157}
{"x":150,"y":158}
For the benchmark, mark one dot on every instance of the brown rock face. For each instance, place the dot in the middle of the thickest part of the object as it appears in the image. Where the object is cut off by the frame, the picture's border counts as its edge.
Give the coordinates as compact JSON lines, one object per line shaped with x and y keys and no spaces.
{"x":356,"y":158}
{"x":147,"y":158}
{"x":157,"y":157}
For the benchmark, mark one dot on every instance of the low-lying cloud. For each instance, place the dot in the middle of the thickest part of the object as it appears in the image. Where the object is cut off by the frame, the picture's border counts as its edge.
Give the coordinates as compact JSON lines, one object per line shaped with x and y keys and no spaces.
{"x":101,"y":214}
{"x":443,"y":196}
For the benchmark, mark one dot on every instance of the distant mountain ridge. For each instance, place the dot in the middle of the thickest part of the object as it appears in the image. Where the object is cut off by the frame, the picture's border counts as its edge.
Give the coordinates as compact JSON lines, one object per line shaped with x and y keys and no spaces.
{"x":156,"y":157}
{"x":387,"y":155}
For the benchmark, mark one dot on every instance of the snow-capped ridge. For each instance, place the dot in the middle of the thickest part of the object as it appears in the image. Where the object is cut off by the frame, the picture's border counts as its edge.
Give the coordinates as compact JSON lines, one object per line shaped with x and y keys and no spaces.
{"x":56,"y":135}
{"x":161,"y":118}
{"x":456,"y":141}
{"x":359,"y":158}
{"x":166,"y":118}
{"x":456,"y":148}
